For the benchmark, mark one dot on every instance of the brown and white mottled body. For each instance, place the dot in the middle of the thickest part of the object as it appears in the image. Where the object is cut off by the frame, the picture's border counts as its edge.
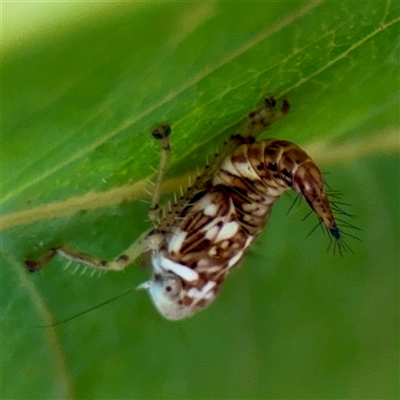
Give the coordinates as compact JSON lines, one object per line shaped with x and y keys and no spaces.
{"x":211,"y":236}
{"x":209,"y":229}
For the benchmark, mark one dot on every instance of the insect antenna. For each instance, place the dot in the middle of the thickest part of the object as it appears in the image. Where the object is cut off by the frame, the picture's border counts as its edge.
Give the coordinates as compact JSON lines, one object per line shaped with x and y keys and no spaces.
{"x":87,"y":310}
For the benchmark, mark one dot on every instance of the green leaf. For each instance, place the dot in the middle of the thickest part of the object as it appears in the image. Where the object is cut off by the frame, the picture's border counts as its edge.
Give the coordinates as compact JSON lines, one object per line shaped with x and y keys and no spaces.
{"x":83,"y":83}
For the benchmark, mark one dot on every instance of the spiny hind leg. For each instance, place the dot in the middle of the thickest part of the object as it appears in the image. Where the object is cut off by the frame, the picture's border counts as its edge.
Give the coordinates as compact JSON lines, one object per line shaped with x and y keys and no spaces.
{"x":161,"y":133}
{"x":118,"y":264}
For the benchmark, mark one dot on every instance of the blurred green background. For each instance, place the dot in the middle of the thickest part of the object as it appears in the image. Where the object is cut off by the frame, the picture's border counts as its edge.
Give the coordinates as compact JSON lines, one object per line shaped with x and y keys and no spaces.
{"x":82,"y":85}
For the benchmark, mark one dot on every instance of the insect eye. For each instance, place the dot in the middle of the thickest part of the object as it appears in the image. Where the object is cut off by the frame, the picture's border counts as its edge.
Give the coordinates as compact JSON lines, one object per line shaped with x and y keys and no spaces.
{"x":172,"y":286}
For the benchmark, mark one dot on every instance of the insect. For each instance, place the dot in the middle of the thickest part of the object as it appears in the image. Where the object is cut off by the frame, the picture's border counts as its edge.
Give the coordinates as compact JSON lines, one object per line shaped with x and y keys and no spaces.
{"x":212,"y":225}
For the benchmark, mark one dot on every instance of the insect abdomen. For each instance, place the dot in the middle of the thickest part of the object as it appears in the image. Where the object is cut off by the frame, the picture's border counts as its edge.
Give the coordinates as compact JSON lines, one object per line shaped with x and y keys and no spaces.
{"x":257,"y":174}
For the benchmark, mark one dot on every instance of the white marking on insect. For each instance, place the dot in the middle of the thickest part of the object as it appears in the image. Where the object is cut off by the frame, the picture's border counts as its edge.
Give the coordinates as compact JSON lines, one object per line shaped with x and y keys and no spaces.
{"x":211,"y":210}
{"x":176,"y":241}
{"x":224,"y":244}
{"x":211,"y":233}
{"x":213,"y":251}
{"x":227,"y":231}
{"x":246,"y":170}
{"x":195,"y":293}
{"x":255,"y":209}
{"x":232,"y":261}
{"x":208,"y":286}
{"x":162,"y":264}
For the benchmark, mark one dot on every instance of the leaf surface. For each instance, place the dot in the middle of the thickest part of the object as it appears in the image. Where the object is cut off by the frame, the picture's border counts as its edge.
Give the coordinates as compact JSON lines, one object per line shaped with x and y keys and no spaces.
{"x":81,"y":89}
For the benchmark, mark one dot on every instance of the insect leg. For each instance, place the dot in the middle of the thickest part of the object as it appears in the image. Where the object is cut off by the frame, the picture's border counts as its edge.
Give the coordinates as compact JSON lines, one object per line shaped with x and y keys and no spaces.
{"x":161,"y":133}
{"x":121,"y":262}
{"x":138,"y":247}
{"x":258,"y":120}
